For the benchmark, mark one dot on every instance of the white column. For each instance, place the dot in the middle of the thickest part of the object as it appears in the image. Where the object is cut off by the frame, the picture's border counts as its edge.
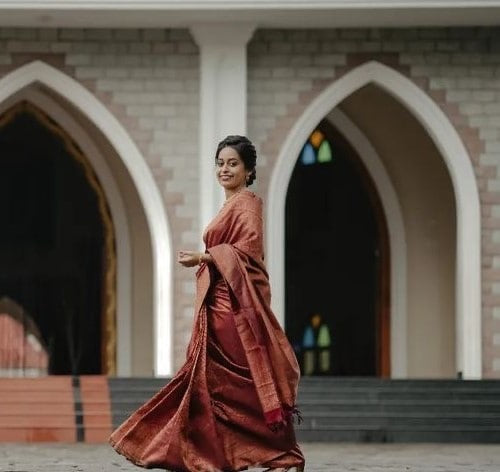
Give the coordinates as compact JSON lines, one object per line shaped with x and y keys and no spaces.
{"x":223,"y":100}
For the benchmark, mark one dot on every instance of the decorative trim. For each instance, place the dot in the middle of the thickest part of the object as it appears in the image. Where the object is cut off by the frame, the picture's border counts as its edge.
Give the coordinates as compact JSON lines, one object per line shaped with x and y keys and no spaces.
{"x":190,"y":5}
{"x":264,"y":13}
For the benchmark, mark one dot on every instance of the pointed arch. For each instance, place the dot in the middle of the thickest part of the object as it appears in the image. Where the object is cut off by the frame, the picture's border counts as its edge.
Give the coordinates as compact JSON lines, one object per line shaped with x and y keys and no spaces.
{"x":149,"y":194}
{"x":458,"y":163}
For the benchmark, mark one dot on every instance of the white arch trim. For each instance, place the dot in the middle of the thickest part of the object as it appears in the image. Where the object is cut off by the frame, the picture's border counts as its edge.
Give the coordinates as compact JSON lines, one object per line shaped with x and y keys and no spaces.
{"x":457,"y":160}
{"x":140,"y":173}
{"x":397,"y":237}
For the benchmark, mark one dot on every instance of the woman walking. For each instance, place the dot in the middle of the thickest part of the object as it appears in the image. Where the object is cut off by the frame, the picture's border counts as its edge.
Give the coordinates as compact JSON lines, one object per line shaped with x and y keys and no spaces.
{"x":230,"y":406}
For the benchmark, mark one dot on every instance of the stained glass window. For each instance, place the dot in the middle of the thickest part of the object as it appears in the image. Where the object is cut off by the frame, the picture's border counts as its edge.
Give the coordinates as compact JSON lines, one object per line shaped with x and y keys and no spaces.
{"x":325,"y":152}
{"x":316,"y":345}
{"x":324,"y":336}
{"x":317,"y":149}
{"x":316,"y":138}
{"x":308,"y":155}
{"x":308,"y":342}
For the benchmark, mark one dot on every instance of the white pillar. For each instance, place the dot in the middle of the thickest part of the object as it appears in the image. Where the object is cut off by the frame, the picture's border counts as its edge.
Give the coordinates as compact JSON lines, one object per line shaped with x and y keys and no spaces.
{"x":223,"y":100}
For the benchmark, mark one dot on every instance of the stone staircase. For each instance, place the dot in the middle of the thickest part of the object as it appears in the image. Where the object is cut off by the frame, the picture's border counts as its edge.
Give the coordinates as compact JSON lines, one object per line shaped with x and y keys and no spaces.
{"x":128,"y":394}
{"x":368,"y":409}
{"x":55,"y":409}
{"x":87,"y":408}
{"x":37,"y":410}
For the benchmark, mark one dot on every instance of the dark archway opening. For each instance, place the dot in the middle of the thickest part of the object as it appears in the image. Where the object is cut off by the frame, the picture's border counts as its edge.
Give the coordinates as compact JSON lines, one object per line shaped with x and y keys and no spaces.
{"x":337,"y":262}
{"x":52,"y":250}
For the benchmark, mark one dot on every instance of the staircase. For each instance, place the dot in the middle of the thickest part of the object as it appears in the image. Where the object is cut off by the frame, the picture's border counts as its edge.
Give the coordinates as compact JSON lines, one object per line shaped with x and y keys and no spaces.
{"x":360,"y":410}
{"x":87,"y":408}
{"x":37,"y":410}
{"x":128,"y":394}
{"x":367,"y":409}
{"x":55,"y":408}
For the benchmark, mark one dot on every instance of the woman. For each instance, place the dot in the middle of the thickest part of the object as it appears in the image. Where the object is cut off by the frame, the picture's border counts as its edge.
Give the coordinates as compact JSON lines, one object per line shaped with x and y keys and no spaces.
{"x":230,"y":406}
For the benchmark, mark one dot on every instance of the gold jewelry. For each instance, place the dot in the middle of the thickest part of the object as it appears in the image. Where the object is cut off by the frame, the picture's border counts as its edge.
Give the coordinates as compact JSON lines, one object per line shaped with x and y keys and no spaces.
{"x":199,"y":259}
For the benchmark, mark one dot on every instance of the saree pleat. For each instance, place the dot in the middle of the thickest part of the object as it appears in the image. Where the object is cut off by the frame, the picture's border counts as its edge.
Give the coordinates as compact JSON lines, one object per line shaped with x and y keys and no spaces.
{"x":246,"y":438}
{"x":225,"y":409}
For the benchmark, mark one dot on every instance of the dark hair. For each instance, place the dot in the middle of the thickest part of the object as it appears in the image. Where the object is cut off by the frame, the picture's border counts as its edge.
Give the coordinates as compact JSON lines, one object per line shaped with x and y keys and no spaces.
{"x":245,"y":149}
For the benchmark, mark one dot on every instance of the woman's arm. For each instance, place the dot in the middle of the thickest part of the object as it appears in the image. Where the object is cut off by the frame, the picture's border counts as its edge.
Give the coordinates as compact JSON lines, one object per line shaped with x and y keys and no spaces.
{"x":192,"y":258}
{"x":206,"y":258}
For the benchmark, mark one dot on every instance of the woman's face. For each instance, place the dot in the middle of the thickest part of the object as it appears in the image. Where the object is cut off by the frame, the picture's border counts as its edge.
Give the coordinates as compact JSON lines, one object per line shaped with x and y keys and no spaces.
{"x":230,"y":170}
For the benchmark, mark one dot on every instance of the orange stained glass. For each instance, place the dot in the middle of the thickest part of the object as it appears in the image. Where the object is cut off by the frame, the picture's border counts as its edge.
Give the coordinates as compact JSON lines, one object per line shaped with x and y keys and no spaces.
{"x":316,"y":321}
{"x":316,"y":138}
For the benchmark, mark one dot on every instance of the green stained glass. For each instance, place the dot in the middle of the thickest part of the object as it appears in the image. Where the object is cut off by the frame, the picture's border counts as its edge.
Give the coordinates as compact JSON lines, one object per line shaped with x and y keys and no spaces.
{"x":324,"y":336}
{"x":308,"y":366}
{"x":325,"y":152}
{"x":324,"y":360}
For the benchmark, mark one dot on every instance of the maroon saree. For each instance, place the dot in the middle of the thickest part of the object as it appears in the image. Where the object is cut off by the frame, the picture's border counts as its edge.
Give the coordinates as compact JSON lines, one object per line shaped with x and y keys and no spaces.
{"x":230,"y":406}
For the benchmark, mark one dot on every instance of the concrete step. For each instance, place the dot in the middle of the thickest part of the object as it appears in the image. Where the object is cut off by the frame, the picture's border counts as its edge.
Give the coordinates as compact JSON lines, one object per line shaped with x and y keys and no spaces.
{"x":366,"y":409}
{"x":35,"y":410}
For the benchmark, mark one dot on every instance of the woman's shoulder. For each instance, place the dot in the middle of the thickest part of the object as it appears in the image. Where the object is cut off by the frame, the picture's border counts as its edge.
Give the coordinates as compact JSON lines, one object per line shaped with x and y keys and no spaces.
{"x":244,"y":201}
{"x":248,"y":200}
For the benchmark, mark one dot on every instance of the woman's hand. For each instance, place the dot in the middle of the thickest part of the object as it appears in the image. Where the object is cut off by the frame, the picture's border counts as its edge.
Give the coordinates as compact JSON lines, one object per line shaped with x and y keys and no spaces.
{"x":189,"y":258}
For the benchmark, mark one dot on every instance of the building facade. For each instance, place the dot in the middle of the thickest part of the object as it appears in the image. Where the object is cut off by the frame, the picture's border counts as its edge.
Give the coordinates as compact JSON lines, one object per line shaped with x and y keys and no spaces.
{"x":379,"y":154}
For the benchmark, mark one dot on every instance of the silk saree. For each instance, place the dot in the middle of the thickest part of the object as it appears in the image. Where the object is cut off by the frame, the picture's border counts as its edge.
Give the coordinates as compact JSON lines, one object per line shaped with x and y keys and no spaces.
{"x":231,"y":405}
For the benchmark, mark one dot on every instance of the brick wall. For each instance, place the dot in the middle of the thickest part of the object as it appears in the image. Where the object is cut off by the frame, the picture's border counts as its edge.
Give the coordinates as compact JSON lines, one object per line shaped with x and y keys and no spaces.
{"x":149,"y":81}
{"x":458,"y":67}
{"x":150,"y":78}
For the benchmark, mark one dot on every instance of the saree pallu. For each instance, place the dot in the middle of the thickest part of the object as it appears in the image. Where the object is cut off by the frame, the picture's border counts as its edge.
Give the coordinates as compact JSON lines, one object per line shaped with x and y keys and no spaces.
{"x":227,"y":408}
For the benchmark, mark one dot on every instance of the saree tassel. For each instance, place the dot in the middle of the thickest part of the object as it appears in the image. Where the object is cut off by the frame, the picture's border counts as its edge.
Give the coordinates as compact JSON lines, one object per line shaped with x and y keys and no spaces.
{"x":293,"y":414}
{"x":277,"y":427}
{"x":278,"y":418}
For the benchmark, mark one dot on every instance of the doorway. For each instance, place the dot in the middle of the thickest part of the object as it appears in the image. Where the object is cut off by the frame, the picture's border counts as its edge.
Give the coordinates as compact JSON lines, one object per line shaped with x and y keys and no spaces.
{"x":57,"y":245}
{"x":337,"y":262}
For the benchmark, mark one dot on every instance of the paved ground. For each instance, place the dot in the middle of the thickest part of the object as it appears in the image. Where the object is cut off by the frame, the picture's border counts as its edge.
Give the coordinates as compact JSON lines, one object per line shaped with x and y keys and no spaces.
{"x":320,"y":458}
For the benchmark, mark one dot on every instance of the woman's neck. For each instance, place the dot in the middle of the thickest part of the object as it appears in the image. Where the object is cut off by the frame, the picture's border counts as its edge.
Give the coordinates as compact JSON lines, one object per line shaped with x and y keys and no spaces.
{"x":231,"y":193}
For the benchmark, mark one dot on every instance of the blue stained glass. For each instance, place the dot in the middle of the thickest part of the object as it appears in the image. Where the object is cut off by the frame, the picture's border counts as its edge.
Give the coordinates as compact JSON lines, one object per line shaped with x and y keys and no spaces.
{"x":308,"y":341}
{"x":308,"y":156}
{"x":325,"y":152}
